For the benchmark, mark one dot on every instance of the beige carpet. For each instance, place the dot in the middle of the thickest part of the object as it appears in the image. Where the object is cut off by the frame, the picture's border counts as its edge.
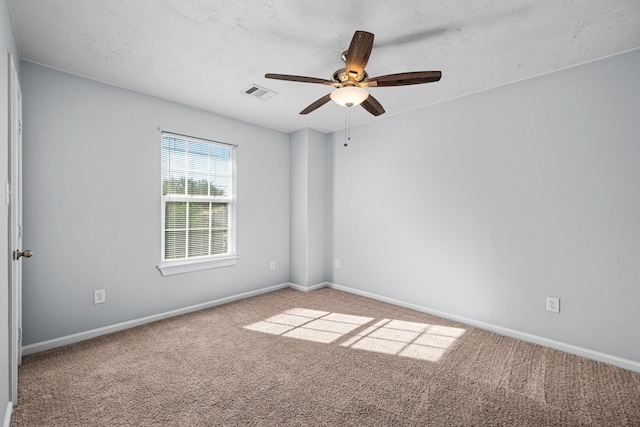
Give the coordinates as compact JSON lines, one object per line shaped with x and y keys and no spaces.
{"x":324,"y":358}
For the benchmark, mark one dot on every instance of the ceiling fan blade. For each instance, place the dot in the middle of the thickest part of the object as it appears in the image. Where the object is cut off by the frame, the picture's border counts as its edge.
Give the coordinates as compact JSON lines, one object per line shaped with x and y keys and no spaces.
{"x":358,"y":54}
{"x":302,"y":79}
{"x":372,"y":105}
{"x":403,"y":79}
{"x":317,"y":104}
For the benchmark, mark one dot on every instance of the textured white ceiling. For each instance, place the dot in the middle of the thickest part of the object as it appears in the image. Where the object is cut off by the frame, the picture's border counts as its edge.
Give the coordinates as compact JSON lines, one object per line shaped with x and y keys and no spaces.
{"x":205,"y":53}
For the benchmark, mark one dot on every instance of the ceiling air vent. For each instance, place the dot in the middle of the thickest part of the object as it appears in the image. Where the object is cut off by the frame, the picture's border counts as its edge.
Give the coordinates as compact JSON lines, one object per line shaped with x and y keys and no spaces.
{"x":259,"y":92}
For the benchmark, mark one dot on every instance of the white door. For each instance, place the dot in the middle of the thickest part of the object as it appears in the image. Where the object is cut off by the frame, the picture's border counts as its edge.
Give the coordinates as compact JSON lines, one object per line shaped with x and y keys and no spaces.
{"x":14,"y":197}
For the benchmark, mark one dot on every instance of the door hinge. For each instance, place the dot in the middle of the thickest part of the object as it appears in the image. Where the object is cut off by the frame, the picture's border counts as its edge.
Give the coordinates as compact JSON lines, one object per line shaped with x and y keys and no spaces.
{"x":20,"y":335}
{"x":7,"y":193}
{"x":19,"y":127}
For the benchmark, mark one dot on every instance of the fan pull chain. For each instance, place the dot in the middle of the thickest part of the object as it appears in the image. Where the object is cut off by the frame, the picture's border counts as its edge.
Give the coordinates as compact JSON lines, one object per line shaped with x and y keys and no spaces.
{"x":347,"y":126}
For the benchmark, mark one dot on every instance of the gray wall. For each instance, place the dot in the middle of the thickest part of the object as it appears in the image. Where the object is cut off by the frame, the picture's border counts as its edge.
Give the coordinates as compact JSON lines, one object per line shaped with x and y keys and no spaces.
{"x":308,"y":215}
{"x":317,"y":168}
{"x":92,"y":205}
{"x":299,"y":250}
{"x":484,"y":205}
{"x":7,"y":44}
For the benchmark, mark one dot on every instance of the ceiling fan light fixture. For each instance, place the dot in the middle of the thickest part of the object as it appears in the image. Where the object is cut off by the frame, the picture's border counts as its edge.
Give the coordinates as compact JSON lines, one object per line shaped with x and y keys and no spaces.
{"x":349,"y":96}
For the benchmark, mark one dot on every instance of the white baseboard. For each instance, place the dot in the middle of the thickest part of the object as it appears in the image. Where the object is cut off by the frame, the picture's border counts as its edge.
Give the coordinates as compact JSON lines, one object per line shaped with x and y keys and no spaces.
{"x":567,"y":348}
{"x":309,"y":288}
{"x":7,"y":415}
{"x":82,"y":336}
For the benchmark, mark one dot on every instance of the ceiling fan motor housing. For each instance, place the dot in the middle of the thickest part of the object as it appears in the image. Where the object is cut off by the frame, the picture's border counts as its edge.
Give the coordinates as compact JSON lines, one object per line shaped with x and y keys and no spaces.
{"x":340,"y":76}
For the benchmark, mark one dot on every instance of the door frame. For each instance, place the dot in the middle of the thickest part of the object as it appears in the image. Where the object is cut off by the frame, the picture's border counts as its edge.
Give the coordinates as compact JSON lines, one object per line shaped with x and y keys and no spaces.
{"x":14,"y":199}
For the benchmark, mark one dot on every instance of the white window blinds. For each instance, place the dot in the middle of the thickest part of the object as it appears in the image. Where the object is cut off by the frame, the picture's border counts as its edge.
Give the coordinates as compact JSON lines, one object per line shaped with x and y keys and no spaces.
{"x":197,"y":198}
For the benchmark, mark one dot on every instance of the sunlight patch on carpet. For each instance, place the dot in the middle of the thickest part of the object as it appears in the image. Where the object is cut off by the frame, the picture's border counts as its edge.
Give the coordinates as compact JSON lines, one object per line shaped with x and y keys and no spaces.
{"x":389,"y":336}
{"x":310,"y":325}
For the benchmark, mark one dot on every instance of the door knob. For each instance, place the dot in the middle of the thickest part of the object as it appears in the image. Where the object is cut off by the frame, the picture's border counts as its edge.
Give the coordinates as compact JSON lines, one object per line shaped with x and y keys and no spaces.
{"x":27,"y":254}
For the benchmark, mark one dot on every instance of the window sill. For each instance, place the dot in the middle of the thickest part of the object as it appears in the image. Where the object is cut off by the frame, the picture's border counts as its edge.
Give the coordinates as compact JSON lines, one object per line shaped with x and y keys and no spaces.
{"x":169,"y":269}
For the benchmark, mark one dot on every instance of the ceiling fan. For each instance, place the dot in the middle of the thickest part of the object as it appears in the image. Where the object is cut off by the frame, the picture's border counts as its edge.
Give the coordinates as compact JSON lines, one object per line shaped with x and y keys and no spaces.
{"x":351,"y":80}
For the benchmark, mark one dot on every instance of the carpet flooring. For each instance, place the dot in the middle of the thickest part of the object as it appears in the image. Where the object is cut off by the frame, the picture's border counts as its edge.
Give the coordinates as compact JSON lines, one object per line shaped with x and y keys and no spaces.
{"x":322,"y":358}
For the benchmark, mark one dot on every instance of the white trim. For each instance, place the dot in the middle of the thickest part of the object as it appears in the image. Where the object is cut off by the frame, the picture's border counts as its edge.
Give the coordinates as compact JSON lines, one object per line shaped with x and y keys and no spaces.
{"x":15,"y":221}
{"x":567,"y":348}
{"x":309,"y":288}
{"x":167,"y":269}
{"x":195,"y":138}
{"x":82,"y":336}
{"x":7,"y":415}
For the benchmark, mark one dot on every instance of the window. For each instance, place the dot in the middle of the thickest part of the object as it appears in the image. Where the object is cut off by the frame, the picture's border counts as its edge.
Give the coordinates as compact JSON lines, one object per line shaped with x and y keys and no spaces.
{"x":198,"y":204}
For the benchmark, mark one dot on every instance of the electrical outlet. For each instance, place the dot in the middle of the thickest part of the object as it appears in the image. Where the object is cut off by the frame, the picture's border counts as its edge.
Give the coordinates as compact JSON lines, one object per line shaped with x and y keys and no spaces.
{"x":272,"y":266}
{"x":553,"y":304}
{"x":99,"y":296}
{"x":337,"y":263}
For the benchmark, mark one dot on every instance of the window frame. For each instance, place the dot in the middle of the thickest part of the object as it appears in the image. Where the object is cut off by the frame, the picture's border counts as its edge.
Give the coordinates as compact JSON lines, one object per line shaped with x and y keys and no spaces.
{"x":169,"y":267}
